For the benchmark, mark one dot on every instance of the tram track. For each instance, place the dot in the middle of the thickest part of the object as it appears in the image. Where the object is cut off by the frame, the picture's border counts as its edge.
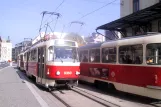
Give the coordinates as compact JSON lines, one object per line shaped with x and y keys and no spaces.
{"x":62,"y":101}
{"x":63,"y":97}
{"x":87,"y":95}
{"x":94,"y":98}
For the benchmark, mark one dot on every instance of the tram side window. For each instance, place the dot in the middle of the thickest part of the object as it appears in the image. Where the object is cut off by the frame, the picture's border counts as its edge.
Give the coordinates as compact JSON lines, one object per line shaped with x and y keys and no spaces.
{"x":21,"y":58}
{"x":34,"y":55}
{"x":50,"y":53}
{"x":94,"y":55}
{"x":83,"y":56}
{"x":29,"y":55}
{"x":131,"y":54}
{"x":109,"y":55}
{"x":153,"y":54}
{"x":25,"y":57}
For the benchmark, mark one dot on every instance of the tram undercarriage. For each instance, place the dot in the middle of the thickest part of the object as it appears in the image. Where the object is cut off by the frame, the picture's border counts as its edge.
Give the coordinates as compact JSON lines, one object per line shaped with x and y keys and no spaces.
{"x":50,"y":83}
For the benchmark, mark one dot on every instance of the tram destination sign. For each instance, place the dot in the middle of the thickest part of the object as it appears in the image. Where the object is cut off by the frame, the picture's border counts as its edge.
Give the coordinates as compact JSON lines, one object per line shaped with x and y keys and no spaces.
{"x":64,"y":43}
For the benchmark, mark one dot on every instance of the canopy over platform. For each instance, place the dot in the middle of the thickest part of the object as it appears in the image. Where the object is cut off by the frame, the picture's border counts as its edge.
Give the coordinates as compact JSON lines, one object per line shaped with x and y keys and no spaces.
{"x":141,"y":18}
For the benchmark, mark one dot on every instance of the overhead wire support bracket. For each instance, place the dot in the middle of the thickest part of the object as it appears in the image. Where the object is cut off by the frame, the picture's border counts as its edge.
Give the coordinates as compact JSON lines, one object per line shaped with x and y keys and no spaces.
{"x":102,"y":34}
{"x":48,"y":13}
{"x":77,"y":22}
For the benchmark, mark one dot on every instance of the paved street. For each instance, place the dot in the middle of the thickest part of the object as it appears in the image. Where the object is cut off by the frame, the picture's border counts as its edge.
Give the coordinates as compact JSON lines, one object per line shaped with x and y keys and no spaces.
{"x":3,"y":64}
{"x":13,"y":91}
{"x":16,"y":90}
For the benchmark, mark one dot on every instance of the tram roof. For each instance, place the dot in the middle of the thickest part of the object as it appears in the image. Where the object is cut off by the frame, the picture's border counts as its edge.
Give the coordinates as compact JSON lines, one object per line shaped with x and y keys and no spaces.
{"x":143,"y":39}
{"x":90,"y":46}
{"x":138,"y":18}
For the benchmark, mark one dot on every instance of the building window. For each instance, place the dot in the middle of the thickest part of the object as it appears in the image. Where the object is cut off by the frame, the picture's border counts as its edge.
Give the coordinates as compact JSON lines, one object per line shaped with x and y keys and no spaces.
{"x":135,"y":5}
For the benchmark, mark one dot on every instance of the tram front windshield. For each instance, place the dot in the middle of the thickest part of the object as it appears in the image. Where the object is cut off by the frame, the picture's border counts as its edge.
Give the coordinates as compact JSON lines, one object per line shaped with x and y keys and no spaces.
{"x":65,"y":54}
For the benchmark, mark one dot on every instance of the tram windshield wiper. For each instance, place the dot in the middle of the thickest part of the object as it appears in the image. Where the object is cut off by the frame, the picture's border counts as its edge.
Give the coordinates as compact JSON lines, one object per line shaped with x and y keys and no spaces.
{"x":74,"y":60}
{"x":61,"y":60}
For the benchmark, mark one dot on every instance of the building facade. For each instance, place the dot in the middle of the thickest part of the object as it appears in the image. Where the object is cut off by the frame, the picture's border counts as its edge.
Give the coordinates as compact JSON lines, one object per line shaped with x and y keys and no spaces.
{"x":94,"y":38}
{"x":129,"y":7}
{"x":6,"y":51}
{"x":20,"y":47}
{"x":13,"y":54}
{"x":138,"y":17}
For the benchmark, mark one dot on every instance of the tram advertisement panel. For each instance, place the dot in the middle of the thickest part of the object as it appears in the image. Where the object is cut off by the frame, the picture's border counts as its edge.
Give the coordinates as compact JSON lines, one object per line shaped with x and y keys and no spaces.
{"x":99,"y":72}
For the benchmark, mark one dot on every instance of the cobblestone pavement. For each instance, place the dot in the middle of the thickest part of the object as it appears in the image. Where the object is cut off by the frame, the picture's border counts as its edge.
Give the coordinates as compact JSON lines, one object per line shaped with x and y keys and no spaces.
{"x":13,"y":92}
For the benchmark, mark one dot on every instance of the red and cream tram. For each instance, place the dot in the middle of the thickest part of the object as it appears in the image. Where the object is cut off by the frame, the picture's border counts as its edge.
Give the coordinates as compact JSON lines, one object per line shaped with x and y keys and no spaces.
{"x":53,"y":62}
{"x":20,"y":61}
{"x":131,"y":65}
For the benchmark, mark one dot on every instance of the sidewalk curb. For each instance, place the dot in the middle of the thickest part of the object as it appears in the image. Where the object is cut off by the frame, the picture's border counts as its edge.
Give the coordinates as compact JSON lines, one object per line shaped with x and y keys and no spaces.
{"x":4,"y":68}
{"x":33,"y":91}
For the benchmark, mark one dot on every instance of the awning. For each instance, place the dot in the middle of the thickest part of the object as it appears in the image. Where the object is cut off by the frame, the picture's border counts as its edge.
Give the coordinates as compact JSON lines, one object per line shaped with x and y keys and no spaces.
{"x":141,"y":17}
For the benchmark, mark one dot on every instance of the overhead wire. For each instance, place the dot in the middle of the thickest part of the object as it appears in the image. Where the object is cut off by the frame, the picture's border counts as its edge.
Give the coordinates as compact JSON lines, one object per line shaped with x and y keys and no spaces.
{"x":109,"y":3}
{"x":40,"y":28}
{"x":48,"y":23}
{"x":60,"y":5}
{"x":98,"y":9}
{"x":56,"y":18}
{"x":95,"y":1}
{"x":55,"y":10}
{"x":55,"y":24}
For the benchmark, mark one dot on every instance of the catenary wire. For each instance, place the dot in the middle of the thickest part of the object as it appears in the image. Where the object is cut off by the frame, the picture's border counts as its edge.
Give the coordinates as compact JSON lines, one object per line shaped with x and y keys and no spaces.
{"x":97,"y":9}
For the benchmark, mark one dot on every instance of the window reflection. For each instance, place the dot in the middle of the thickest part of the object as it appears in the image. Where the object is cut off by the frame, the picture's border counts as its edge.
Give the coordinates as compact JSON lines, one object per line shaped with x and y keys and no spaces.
{"x":63,"y":54}
{"x":153,"y":54}
{"x":109,"y":55}
{"x":131,"y":54}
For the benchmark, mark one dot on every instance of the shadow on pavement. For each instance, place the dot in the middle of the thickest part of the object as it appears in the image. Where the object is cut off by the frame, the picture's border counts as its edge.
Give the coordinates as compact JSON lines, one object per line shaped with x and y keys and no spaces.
{"x":90,"y":87}
{"x":31,"y":80}
{"x":120,"y":95}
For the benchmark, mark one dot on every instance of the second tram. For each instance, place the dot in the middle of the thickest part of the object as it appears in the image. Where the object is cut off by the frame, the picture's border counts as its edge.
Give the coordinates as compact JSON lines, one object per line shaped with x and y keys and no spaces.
{"x":131,"y":65}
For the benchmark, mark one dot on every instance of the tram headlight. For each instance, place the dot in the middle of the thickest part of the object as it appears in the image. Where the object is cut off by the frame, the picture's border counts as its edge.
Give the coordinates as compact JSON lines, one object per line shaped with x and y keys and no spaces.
{"x":77,"y":72}
{"x":58,"y":73}
{"x":48,"y":72}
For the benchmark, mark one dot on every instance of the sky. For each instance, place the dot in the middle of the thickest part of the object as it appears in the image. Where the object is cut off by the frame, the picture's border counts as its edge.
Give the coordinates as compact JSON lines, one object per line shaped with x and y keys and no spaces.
{"x":21,"y":19}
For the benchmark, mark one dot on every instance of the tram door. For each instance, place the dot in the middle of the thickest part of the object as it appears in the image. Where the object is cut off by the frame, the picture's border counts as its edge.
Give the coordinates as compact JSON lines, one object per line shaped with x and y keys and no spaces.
{"x":27,"y":61}
{"x":41,"y":63}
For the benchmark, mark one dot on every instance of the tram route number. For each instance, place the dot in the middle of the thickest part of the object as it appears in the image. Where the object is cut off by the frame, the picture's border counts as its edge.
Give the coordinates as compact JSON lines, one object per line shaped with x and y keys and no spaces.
{"x":67,"y":72}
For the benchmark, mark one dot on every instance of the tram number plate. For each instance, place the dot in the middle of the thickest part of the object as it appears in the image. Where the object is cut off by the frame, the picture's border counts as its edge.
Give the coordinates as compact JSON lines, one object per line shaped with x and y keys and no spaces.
{"x":67,"y":72}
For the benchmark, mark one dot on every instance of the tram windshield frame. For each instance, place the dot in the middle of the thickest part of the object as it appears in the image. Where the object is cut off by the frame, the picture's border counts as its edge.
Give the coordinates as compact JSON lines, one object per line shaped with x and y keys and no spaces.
{"x":63,"y":54}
